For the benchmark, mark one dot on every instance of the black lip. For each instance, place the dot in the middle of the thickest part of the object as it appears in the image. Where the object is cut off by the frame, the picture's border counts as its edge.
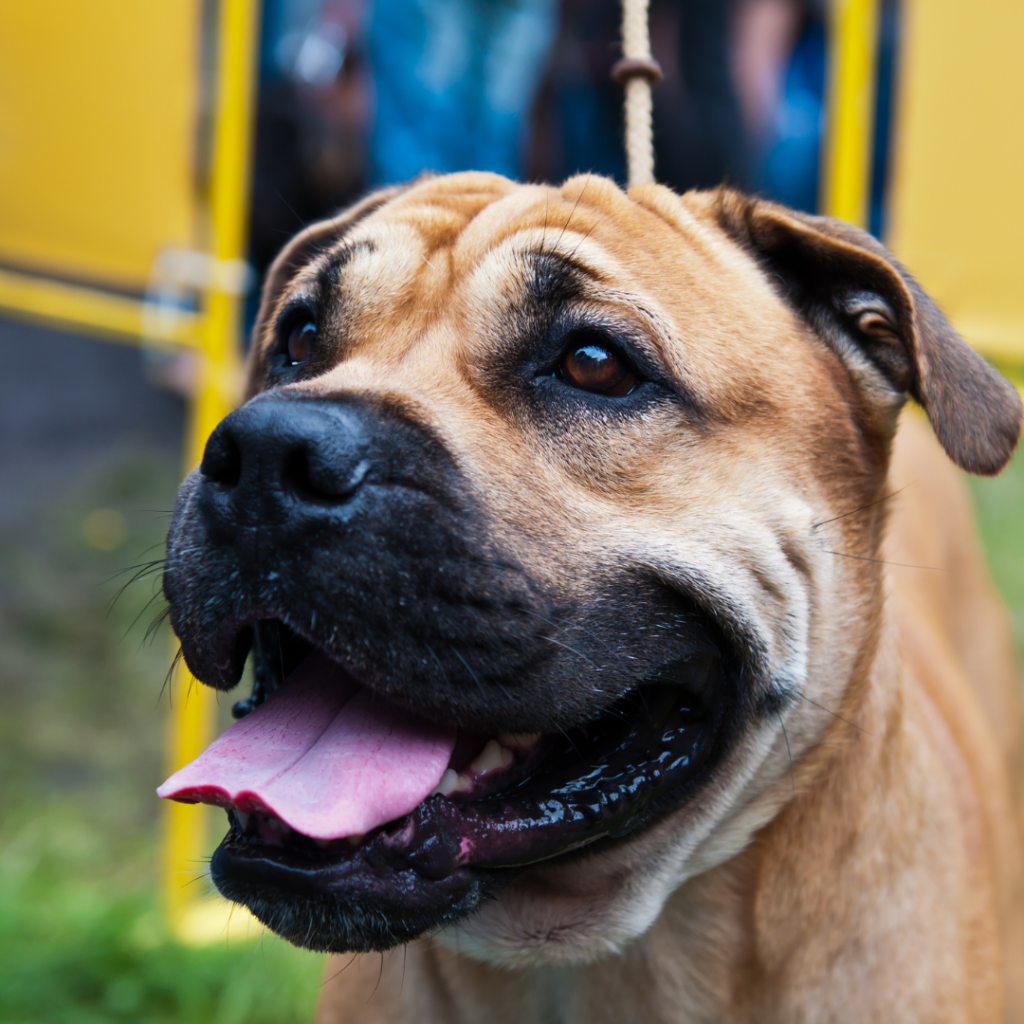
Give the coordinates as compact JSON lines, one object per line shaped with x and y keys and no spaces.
{"x":347,"y":907}
{"x":596,"y":785}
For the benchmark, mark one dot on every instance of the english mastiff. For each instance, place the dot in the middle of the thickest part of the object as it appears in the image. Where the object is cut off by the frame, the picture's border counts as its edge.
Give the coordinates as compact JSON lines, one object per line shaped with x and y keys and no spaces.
{"x":615,"y":660}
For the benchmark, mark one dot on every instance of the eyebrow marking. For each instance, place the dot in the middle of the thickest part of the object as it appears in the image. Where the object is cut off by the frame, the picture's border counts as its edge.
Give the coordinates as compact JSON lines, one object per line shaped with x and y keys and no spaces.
{"x":329,"y":273}
{"x":554,"y":276}
{"x":565,"y":261}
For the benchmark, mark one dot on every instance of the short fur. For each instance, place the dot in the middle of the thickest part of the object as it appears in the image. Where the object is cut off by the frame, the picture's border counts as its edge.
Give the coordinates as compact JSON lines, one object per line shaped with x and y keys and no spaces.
{"x":856,"y":854}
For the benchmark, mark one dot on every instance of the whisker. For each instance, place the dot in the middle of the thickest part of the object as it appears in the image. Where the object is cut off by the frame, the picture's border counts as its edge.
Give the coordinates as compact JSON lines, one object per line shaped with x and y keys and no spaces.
{"x":834,"y":714}
{"x":568,"y":739}
{"x":468,"y":669}
{"x":882,"y":561}
{"x":157,"y":622}
{"x":140,"y":571}
{"x":168,"y":677}
{"x":870,"y":504}
{"x":142,"y":611}
{"x":440,"y":664}
{"x":572,"y":212}
{"x":789,"y":753}
{"x":380,"y":974}
{"x":568,"y":622}
{"x":303,"y":223}
{"x":573,"y":650}
{"x":587,"y":235}
{"x":341,"y":971}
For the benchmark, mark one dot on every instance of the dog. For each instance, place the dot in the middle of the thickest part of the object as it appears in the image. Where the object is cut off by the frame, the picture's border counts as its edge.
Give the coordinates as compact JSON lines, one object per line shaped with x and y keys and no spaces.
{"x":613,"y":652}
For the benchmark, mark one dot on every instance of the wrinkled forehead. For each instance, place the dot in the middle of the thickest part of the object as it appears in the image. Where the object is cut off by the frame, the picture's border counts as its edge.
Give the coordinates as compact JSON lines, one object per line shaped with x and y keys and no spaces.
{"x":457,"y":298}
{"x":465,"y":244}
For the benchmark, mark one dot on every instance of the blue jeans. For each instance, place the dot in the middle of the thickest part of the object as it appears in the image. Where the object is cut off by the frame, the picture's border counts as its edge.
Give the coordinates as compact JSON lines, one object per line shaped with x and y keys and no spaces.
{"x":455,"y":81}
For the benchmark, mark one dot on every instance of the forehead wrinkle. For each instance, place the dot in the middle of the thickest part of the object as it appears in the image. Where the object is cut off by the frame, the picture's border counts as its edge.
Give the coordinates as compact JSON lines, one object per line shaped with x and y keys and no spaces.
{"x":677,"y":214}
{"x":440,"y":209}
{"x":531,"y":208}
{"x":330,"y":265}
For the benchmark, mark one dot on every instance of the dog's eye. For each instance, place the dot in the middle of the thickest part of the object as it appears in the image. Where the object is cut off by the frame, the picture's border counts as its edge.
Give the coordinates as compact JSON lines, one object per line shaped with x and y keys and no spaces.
{"x":300,"y":342}
{"x":592,"y":366}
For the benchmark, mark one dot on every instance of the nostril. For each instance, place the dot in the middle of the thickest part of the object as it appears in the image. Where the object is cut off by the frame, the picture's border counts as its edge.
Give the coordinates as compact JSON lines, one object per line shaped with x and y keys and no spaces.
{"x":309,"y":476}
{"x":222,"y":460}
{"x":295,"y":473}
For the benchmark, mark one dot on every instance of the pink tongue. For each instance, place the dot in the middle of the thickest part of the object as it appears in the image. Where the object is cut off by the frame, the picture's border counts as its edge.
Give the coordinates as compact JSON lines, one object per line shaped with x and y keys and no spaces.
{"x":325,"y":755}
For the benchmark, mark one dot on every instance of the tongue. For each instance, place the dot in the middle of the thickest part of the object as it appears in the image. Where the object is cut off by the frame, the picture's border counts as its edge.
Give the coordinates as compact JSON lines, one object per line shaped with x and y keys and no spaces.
{"x":324,"y":754}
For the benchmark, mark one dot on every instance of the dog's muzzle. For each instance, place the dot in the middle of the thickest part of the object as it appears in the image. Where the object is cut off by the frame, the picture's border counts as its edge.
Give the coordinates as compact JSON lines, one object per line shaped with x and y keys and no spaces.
{"x":428,"y":716}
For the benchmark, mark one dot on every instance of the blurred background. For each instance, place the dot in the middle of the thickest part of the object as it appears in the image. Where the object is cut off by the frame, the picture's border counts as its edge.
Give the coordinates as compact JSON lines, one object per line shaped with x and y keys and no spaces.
{"x":153,"y":159}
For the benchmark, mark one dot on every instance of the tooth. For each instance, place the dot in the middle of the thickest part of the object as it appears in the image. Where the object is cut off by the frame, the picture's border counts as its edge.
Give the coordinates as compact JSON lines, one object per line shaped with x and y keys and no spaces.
{"x":242,"y":818}
{"x":355,"y":839}
{"x":452,"y":782}
{"x":519,"y":740}
{"x":448,"y":784}
{"x":492,"y":757}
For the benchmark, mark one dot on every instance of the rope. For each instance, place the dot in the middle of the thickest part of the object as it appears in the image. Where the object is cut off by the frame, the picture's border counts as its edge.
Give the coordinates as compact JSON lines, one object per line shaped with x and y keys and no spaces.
{"x":637,"y":71}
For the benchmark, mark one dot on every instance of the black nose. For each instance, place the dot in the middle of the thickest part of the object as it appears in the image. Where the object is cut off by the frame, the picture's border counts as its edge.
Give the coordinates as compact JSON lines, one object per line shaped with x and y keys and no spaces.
{"x":276,"y":458}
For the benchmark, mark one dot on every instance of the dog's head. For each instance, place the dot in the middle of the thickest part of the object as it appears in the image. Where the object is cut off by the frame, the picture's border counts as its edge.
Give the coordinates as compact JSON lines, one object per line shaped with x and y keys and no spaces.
{"x":578,"y":493}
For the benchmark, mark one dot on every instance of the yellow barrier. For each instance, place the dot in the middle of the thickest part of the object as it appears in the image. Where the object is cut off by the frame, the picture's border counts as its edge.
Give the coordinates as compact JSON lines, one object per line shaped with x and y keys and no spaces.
{"x":79,"y":308}
{"x":98,"y":154}
{"x":850,"y":99}
{"x":193,"y":718}
{"x":99,"y":183}
{"x":955,"y":208}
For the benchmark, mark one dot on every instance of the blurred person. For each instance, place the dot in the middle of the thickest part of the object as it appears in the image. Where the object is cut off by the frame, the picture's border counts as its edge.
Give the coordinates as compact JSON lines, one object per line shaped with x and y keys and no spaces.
{"x":701,"y":137}
{"x":311,"y":117}
{"x":701,"y":133}
{"x":578,"y":117}
{"x":764,"y":35}
{"x":454,"y":82}
{"x":778,"y":57}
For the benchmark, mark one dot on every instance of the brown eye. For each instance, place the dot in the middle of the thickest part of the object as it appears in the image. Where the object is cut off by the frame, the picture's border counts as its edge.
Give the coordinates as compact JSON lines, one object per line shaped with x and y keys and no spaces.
{"x":593,"y":367}
{"x":300,"y":342}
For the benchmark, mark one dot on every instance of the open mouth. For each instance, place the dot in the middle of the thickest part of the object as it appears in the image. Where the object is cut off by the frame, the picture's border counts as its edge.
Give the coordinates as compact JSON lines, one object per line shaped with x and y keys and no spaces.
{"x":358,"y":825}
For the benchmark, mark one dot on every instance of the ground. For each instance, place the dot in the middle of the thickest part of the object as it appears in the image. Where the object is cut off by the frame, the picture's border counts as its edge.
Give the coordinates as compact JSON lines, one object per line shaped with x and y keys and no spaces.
{"x":89,"y":465}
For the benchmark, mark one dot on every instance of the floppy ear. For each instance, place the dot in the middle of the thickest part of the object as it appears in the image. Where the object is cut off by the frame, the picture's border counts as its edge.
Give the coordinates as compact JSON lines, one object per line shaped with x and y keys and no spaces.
{"x":864,"y":303}
{"x":299,"y":251}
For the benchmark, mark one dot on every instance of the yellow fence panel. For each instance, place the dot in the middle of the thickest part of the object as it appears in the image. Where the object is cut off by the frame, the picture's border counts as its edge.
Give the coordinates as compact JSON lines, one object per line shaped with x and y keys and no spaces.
{"x":846,"y":155}
{"x":957,"y":202}
{"x":98,"y":118}
{"x":99,"y":130}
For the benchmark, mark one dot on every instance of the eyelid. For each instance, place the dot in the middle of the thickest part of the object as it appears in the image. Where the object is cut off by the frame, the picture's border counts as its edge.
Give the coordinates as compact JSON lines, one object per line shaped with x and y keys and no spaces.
{"x":288,"y":314}
{"x":288,"y":318}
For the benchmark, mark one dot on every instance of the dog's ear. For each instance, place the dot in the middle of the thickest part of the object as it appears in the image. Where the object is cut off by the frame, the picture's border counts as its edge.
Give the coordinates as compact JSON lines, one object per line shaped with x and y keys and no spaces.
{"x":303,"y":247}
{"x":865,"y":304}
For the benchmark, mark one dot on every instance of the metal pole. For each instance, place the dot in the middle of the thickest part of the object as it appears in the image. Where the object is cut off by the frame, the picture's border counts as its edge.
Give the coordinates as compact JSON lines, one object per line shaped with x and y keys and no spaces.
{"x":193,"y":713}
{"x":846,"y":158}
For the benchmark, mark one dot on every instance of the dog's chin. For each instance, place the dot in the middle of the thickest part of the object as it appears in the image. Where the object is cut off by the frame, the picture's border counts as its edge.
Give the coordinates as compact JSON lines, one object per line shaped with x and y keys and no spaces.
{"x":507,"y":804}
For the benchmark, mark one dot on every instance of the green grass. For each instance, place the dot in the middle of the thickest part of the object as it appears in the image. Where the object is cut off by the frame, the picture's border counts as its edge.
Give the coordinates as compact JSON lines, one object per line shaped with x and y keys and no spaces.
{"x":1000,"y":505}
{"x":81,"y":938}
{"x":82,"y":944}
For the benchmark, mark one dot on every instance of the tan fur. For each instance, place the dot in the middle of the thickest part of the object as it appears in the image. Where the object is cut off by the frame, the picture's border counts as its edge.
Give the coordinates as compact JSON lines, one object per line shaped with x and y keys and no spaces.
{"x":879,"y":878}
